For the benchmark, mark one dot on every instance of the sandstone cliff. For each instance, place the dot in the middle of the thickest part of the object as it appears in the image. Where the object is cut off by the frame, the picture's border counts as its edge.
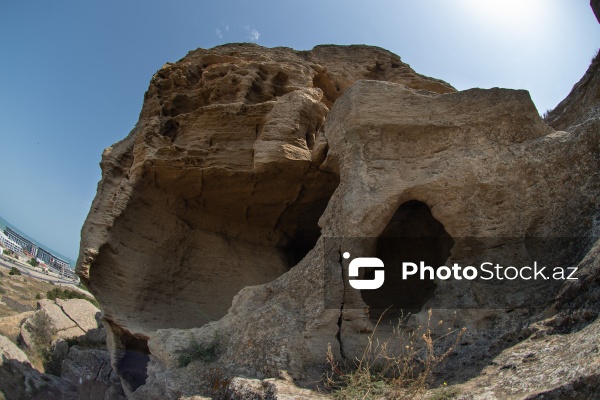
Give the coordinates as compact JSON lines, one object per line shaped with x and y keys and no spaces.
{"x":221,"y":219}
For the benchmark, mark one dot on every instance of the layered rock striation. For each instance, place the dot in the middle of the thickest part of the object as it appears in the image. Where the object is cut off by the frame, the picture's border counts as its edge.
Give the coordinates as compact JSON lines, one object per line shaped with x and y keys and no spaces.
{"x":218,"y":187}
{"x":221,"y":220}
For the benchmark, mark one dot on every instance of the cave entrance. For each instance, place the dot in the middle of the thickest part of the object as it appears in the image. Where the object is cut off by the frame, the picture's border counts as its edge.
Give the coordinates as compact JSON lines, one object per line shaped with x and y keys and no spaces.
{"x":299,"y":224}
{"x":412,"y":235}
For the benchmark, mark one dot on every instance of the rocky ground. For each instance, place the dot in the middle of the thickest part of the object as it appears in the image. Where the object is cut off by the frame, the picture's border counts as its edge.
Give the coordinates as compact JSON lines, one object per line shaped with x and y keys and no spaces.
{"x":52,"y":349}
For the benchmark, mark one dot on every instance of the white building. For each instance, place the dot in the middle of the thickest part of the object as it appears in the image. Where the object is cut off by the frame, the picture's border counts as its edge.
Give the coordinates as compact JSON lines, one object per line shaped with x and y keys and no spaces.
{"x":10,"y":244}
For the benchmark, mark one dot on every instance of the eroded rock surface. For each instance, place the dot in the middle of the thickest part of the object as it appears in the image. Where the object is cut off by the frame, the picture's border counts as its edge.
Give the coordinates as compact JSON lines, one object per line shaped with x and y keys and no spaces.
{"x":218,"y":187}
{"x":220,"y":221}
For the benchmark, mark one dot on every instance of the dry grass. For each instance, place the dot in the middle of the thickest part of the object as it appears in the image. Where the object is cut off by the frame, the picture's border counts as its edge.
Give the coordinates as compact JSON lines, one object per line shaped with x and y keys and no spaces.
{"x":22,"y":289}
{"x":400,"y":367}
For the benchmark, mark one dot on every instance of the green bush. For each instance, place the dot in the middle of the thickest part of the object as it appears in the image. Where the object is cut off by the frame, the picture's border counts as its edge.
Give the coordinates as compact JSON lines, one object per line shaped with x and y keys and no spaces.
{"x":67,"y":294}
{"x":33,"y":262}
{"x":42,"y":333}
{"x":198,"y":351}
{"x":14,"y":271}
{"x":41,"y":329}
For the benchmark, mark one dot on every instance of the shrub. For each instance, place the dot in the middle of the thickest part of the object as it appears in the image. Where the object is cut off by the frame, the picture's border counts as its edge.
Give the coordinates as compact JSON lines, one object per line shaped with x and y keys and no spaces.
{"x":66,"y":294}
{"x":41,"y":329}
{"x":14,"y":271}
{"x":199,"y":351}
{"x":42,"y":333}
{"x":400,"y":367}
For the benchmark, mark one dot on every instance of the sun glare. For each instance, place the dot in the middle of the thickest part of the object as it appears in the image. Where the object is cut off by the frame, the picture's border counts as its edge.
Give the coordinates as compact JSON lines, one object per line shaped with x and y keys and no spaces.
{"x":511,"y":14}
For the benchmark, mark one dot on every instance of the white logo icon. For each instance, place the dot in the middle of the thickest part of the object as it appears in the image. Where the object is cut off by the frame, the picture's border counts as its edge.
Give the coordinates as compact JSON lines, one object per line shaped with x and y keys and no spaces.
{"x":365,"y":262}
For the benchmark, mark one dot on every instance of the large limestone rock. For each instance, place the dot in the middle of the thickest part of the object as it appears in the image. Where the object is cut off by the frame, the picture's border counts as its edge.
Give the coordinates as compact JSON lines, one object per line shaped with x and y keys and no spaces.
{"x":67,"y":319}
{"x":218,"y":187}
{"x":220,"y":222}
{"x":80,"y":311}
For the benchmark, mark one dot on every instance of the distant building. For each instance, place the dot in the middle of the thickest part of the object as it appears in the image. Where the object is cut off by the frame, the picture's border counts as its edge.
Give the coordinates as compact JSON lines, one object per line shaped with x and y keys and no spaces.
{"x":56,"y":263}
{"x":26,"y":244}
{"x":10,"y":244}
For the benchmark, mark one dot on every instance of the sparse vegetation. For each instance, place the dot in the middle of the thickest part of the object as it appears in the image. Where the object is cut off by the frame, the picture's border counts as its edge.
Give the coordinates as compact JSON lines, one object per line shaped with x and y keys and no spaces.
{"x":82,"y":285}
{"x":445,"y":392}
{"x":400,"y":367}
{"x":14,"y":271}
{"x":199,"y":351}
{"x":66,"y":294}
{"x":40,"y":327}
{"x":42,"y":333}
{"x":33,"y":262}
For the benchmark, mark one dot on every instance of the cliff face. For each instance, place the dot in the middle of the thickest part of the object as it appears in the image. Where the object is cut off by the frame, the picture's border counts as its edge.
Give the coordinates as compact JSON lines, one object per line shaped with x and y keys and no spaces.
{"x":218,"y":187}
{"x":221,"y":219}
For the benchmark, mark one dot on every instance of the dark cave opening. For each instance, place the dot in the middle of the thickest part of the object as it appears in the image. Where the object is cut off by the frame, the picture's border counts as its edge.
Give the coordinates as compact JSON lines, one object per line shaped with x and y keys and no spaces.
{"x":133,"y":364}
{"x":299,"y":224}
{"x":412,"y":235}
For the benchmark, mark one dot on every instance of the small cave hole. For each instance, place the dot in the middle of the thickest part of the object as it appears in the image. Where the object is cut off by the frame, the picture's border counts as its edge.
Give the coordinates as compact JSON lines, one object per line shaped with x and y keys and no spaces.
{"x":412,"y":235}
{"x":170,"y":129}
{"x":133,"y":364}
{"x":279,"y":83}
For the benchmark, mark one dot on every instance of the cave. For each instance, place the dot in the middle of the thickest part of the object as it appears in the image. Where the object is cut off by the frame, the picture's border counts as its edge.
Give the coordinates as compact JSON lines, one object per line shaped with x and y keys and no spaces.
{"x":412,"y":235}
{"x":132,"y":367}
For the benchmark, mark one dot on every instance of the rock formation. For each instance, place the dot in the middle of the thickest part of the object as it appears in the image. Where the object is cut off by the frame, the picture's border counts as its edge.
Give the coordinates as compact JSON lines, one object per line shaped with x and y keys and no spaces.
{"x":68,"y":318}
{"x":221,"y":220}
{"x":595,"y":4}
{"x":218,"y":187}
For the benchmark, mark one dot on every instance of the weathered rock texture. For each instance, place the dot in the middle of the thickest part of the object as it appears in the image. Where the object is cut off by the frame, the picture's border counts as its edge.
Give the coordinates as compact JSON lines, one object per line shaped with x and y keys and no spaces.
{"x":218,"y":187}
{"x":220,"y":220}
{"x":68,"y":318}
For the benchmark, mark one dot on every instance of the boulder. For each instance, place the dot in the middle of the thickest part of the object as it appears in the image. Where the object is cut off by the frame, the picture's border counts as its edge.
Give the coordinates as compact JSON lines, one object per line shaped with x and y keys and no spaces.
{"x":90,"y":371}
{"x":68,"y":319}
{"x":60,"y":321}
{"x":10,"y":351}
{"x":10,"y":326}
{"x":81,"y":311}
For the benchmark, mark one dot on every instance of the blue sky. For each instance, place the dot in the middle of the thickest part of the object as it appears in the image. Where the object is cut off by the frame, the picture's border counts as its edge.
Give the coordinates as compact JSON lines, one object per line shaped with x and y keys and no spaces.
{"x":74,"y":72}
